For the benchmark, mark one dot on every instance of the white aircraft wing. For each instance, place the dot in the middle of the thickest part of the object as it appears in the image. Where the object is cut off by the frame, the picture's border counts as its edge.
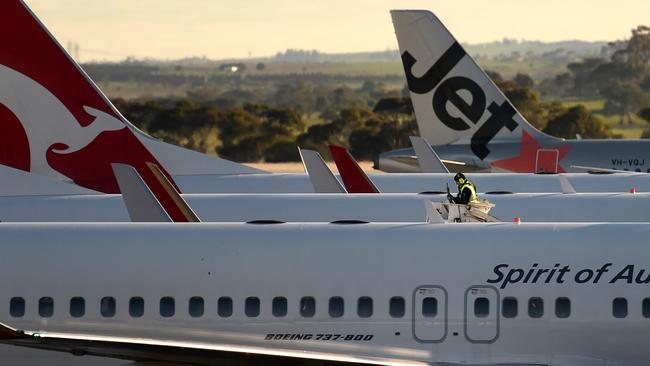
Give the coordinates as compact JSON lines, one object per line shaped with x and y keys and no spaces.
{"x":175,"y":351}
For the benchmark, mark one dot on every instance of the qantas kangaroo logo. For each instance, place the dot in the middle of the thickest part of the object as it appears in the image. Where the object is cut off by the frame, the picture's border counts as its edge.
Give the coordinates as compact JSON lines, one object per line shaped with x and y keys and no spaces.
{"x":47,"y":123}
{"x":447,"y":91}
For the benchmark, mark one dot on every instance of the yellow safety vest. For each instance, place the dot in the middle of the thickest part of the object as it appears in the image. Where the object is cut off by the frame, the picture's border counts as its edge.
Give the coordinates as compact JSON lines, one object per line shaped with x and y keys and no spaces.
{"x":473,"y":198}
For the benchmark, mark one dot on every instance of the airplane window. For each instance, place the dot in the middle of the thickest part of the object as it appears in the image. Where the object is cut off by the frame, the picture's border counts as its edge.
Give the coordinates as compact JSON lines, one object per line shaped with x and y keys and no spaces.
{"x":17,"y":307}
{"x":46,"y":307}
{"x":224,"y":307}
{"x":535,"y":307}
{"x":509,"y":308}
{"x":307,"y":307}
{"x":252,"y":307}
{"x":136,"y":307}
{"x":481,"y":307}
{"x":279,"y":306}
{"x":336,"y":307}
{"x":364,"y":307}
{"x":77,"y":307}
{"x":619,"y":307}
{"x":562,"y":307}
{"x":167,"y":307}
{"x":646,"y":308}
{"x":196,"y":307}
{"x":396,"y":307}
{"x":107,"y":307}
{"x":429,"y":307}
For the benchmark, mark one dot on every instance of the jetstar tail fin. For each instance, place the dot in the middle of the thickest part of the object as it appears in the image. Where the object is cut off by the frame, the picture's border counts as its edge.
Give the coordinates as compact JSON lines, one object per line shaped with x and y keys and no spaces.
{"x":354,"y":178}
{"x":453,"y":98}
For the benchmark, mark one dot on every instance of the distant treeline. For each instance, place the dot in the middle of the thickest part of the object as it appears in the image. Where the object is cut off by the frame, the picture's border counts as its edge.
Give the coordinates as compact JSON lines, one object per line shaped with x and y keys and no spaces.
{"x":257,"y":115}
{"x":354,"y":118}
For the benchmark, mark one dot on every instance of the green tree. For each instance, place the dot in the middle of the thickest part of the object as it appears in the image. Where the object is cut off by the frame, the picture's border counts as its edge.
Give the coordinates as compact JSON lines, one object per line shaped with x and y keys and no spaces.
{"x":526,"y":101}
{"x":281,"y":151}
{"x":577,"y":120}
{"x":524,"y":80}
{"x":637,"y":52}
{"x":624,"y":97}
{"x":645,"y":114}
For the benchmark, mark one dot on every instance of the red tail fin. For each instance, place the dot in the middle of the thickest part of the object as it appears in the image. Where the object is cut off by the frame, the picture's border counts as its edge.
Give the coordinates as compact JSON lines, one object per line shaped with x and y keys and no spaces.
{"x":56,"y":115}
{"x":354,"y":178}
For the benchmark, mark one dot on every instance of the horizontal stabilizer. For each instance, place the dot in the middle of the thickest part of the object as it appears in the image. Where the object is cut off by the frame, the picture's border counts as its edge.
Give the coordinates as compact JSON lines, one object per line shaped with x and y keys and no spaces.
{"x":321,"y":177}
{"x":16,"y":182}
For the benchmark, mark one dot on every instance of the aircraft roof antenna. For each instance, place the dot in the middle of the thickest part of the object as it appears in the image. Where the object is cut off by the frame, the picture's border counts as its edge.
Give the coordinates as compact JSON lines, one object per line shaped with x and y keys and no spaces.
{"x":321,"y":177}
{"x":567,"y":187}
{"x":427,"y":158}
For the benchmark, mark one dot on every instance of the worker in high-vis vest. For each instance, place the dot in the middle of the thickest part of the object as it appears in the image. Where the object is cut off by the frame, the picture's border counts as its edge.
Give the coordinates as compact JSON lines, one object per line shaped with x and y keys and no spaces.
{"x":466,"y":191}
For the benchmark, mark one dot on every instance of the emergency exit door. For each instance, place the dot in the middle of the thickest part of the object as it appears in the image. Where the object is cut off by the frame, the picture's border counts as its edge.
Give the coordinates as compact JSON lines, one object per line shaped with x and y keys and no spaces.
{"x":430,"y":314}
{"x":481,"y":314}
{"x":547,"y":161}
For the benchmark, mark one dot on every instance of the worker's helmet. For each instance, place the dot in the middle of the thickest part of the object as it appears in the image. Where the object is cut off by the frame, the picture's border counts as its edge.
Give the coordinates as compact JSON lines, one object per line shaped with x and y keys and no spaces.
{"x":460,"y":178}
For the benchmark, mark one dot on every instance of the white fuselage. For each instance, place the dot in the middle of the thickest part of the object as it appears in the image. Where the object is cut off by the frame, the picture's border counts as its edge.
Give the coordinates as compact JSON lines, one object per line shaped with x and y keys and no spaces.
{"x":470,"y":272}
{"x":416,"y":182}
{"x":312,"y":207}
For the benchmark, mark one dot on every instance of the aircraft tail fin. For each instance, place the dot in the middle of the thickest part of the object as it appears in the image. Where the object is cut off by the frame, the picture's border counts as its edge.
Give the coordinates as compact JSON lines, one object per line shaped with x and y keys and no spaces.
{"x":453,"y":98}
{"x":354,"y":178}
{"x":321,"y":177}
{"x":56,"y":122}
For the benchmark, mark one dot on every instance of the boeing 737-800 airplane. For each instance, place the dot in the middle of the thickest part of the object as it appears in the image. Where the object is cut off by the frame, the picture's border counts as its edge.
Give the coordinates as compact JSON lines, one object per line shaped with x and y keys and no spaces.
{"x":384,"y":294}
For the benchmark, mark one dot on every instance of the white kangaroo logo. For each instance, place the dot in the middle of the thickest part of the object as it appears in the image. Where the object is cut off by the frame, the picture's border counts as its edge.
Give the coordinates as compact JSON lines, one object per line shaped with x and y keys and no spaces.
{"x":47,"y":121}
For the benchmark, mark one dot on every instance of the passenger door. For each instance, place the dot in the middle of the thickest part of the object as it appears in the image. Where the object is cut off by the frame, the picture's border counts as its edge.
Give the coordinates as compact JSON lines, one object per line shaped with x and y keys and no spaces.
{"x":481,"y":314}
{"x":430,"y":314}
{"x":547,"y":161}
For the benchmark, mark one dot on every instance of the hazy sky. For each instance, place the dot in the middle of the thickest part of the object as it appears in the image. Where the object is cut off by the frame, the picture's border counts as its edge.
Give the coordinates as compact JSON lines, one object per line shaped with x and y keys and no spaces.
{"x":115,"y":29}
